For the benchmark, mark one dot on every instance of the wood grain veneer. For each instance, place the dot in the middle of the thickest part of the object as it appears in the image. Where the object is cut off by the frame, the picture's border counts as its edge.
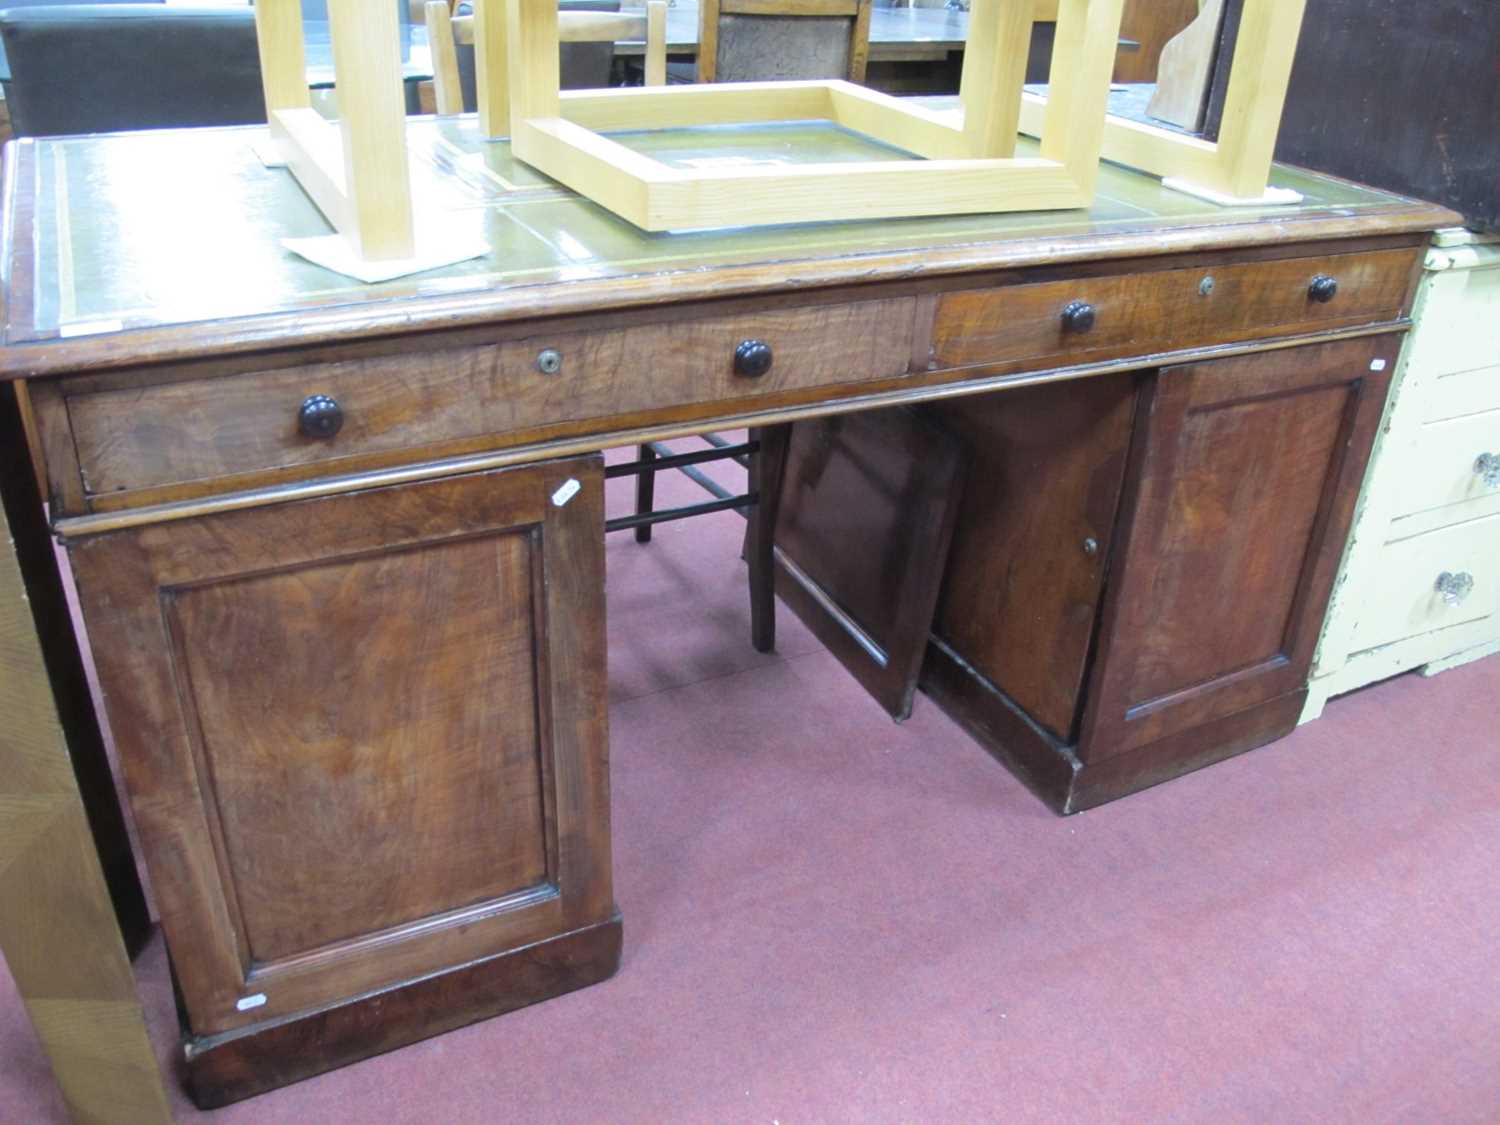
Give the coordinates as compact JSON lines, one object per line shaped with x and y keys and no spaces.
{"x":1237,"y":496}
{"x":136,"y":438}
{"x":866,"y":514}
{"x":1158,"y":311}
{"x":254,"y":594}
{"x":313,"y":832}
{"x":1034,"y":537}
{"x":1248,"y":479}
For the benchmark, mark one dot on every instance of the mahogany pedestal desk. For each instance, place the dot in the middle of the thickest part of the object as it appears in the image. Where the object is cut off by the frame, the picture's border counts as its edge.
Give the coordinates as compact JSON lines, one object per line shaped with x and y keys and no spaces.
{"x":340,"y":547}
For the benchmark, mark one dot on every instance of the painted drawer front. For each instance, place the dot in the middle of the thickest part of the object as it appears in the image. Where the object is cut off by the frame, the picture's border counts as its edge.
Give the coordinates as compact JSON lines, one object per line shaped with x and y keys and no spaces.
{"x":1458,"y":329}
{"x":1451,"y":464}
{"x":1466,"y":392}
{"x":436,"y":401}
{"x":1402,"y":597}
{"x":1147,"y":313}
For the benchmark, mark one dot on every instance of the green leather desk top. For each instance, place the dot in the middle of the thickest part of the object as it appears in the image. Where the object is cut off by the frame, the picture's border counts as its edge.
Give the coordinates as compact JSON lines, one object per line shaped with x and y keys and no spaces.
{"x":111,"y":234}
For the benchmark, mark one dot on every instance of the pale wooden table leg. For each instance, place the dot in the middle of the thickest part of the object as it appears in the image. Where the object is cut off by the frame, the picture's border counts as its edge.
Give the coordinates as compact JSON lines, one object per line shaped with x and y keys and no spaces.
{"x":58,"y":927}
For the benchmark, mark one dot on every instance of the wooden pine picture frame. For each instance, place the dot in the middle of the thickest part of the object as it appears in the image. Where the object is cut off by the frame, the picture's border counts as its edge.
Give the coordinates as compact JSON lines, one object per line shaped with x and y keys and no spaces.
{"x":1235,"y":170}
{"x":356,"y":170}
{"x":964,"y":160}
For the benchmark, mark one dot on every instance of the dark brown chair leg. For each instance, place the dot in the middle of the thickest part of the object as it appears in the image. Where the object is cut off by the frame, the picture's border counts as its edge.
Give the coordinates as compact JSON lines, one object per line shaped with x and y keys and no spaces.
{"x":766,"y":466}
{"x":645,"y":493}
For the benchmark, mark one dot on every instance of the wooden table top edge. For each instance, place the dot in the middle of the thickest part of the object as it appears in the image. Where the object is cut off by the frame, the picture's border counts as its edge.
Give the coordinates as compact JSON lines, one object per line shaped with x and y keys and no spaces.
{"x":363,"y":320}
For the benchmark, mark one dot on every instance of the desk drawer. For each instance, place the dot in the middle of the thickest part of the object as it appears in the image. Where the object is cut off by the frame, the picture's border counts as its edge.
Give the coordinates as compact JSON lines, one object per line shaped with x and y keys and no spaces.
{"x":1146,"y":313}
{"x":455,"y":399}
{"x":1403,"y":599}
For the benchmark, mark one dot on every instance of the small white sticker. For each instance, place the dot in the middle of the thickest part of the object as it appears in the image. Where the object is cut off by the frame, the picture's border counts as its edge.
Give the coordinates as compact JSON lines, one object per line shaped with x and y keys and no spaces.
{"x":89,"y":328}
{"x":1377,"y":365}
{"x":569,"y":489}
{"x":251,"y":1002}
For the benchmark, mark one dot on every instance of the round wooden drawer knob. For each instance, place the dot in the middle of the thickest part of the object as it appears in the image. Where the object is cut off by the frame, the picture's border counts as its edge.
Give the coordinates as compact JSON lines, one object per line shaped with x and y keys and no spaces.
{"x":1079,"y":316}
{"x":320,"y":417}
{"x":1323,"y":288}
{"x":752,"y":359}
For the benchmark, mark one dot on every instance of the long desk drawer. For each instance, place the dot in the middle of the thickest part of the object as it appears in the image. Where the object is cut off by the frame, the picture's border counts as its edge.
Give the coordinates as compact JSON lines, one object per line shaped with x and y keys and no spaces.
{"x":198,"y":429}
{"x":1147,"y":313}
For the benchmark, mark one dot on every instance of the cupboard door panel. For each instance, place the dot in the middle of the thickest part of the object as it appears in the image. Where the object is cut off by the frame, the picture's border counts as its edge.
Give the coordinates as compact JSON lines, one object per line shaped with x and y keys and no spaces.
{"x":1021,"y":594}
{"x":865,"y":516}
{"x":390,"y":749}
{"x":1249,"y":474}
{"x":364,"y":735}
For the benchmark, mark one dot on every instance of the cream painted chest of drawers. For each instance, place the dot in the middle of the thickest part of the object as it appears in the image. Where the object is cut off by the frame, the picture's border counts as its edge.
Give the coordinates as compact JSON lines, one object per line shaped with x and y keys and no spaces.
{"x":1420,"y":587}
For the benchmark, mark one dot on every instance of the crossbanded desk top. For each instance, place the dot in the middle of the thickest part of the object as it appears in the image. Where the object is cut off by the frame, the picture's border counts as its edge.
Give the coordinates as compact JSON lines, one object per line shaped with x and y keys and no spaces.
{"x":149,"y":246}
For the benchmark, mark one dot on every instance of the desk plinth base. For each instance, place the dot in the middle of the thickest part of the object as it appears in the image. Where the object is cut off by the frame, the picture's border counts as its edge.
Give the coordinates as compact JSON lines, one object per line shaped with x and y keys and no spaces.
{"x":1055,"y":773}
{"x":221,"y":1069}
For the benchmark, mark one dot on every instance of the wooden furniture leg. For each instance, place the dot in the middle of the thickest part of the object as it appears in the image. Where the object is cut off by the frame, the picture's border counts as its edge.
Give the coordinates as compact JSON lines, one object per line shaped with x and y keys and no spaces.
{"x":645,"y":492}
{"x":58,"y":906}
{"x":766,"y":465}
{"x":764,"y":476}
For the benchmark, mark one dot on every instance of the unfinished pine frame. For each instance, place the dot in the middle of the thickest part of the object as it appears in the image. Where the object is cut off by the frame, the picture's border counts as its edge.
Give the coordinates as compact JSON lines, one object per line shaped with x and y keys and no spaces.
{"x":1236,"y":169}
{"x":445,"y":32}
{"x":355,"y":170}
{"x":964,"y":161}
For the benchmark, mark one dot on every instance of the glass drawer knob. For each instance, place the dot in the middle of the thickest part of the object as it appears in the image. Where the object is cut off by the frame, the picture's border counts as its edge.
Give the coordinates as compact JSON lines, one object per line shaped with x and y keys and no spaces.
{"x":1488,"y":469}
{"x":1454,"y":588}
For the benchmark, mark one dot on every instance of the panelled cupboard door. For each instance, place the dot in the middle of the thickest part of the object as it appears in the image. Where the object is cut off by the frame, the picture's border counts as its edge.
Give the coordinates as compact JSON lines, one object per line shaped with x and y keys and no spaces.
{"x":866,"y":513}
{"x":364,"y":735}
{"x":1247,"y":471}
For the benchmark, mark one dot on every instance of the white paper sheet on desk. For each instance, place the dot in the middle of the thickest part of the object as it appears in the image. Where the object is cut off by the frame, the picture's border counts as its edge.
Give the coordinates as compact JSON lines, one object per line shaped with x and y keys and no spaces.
{"x":449,"y":221}
{"x":437,"y":245}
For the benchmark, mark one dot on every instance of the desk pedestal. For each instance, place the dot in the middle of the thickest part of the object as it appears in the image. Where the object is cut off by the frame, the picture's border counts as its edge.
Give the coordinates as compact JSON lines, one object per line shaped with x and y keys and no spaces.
{"x":366,"y":743}
{"x":1141,"y":563}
